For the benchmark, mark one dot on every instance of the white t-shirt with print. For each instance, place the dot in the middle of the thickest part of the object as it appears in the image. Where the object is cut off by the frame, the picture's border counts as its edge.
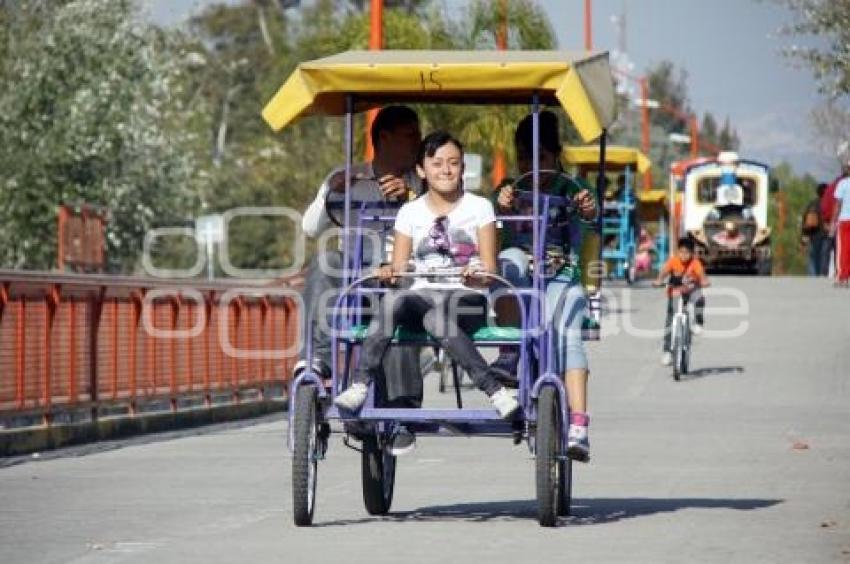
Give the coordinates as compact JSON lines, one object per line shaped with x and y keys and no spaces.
{"x":430,"y":251}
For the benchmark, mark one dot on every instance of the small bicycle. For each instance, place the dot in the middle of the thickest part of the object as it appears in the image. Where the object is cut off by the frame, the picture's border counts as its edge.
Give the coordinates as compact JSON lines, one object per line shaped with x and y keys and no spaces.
{"x":680,"y":336}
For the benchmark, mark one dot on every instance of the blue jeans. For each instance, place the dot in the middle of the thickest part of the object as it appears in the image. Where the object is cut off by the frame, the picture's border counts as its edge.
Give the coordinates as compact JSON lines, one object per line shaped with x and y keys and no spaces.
{"x":816,"y":244}
{"x":566,"y":304}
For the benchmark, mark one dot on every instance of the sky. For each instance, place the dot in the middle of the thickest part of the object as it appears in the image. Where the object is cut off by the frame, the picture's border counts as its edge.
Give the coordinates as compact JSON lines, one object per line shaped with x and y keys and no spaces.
{"x":730,"y":49}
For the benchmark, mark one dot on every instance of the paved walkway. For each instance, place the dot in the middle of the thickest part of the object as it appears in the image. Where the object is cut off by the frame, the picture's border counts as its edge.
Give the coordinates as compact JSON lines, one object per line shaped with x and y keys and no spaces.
{"x":710,"y":469}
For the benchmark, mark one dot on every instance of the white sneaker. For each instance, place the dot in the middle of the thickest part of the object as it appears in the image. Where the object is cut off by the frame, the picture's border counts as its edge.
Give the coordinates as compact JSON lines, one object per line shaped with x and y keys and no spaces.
{"x":697,"y":330}
{"x":667,"y":358}
{"x":504,"y":402}
{"x":578,"y":444}
{"x":352,"y":398}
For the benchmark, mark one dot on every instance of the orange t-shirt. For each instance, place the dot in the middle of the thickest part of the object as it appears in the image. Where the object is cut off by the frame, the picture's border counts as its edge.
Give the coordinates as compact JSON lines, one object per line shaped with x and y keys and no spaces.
{"x":693,"y":270}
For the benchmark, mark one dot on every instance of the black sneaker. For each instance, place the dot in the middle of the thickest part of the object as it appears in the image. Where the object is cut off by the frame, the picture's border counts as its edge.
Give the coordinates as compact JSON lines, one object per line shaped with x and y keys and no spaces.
{"x":504,"y":369}
{"x":403,"y":442}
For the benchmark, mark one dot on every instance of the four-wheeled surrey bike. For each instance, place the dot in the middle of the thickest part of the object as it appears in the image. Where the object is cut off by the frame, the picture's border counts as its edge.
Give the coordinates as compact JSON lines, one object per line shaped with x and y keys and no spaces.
{"x":355,"y":81}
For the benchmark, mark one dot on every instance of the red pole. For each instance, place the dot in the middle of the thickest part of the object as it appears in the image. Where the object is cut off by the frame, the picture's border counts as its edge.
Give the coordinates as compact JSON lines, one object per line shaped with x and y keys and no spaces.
{"x":500,"y":168}
{"x":588,"y":25}
{"x":376,"y":28}
{"x":63,"y":219}
{"x":644,"y":124}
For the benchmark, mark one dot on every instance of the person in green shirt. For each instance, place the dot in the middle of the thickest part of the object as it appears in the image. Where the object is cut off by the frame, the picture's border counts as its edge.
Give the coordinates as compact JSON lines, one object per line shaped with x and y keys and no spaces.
{"x":566,"y":302}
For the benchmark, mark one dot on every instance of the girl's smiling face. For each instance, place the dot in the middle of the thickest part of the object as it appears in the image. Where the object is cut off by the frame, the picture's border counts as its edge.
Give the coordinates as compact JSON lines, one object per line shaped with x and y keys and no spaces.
{"x":444,"y":170}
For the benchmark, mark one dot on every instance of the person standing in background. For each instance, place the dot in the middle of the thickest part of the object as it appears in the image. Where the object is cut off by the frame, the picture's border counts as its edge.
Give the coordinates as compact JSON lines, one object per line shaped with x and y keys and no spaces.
{"x":841,"y":232}
{"x":813,"y":234}
{"x":827,"y":211}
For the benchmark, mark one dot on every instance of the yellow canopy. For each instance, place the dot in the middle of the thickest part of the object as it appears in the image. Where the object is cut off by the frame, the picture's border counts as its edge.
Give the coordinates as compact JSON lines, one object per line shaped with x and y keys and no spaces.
{"x":654,"y":196}
{"x":580,"y":82}
{"x":614,"y":156}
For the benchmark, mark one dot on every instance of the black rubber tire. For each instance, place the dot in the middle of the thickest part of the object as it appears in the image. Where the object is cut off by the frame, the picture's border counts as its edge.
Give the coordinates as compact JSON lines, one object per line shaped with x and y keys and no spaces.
{"x":305,"y":457}
{"x":676,"y":348}
{"x":547,"y":445}
{"x":378,"y":467}
{"x":565,"y":487}
{"x":686,"y":351}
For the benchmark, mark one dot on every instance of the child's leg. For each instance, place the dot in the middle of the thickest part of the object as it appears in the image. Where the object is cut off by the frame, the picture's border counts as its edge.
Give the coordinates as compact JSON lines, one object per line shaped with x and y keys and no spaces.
{"x":699,"y":307}
{"x":568,"y":303}
{"x":668,"y":323}
{"x":450,"y":321}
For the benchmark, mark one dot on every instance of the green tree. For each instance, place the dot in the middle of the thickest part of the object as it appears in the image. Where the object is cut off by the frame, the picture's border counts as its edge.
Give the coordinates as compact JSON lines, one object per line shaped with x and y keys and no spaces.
{"x":94,"y":117}
{"x":728,"y":139}
{"x":709,"y":130}
{"x":669,"y":86}
{"x":827,"y":22}
{"x":796,"y":193}
{"x":248,"y":165}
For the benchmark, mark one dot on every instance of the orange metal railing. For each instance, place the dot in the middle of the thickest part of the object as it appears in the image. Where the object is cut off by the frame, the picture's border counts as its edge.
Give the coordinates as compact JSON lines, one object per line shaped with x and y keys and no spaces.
{"x":71,"y":342}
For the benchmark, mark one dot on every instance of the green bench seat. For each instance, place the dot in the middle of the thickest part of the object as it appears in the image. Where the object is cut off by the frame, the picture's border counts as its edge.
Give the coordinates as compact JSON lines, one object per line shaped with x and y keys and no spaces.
{"x":483,"y":335}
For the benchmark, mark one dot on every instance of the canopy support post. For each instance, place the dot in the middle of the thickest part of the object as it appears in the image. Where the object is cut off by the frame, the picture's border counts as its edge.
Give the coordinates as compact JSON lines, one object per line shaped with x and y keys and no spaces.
{"x":600,"y":189}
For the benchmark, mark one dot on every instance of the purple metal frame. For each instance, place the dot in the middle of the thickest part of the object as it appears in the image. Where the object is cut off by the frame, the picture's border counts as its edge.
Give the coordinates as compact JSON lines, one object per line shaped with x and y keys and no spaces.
{"x":470,"y":421}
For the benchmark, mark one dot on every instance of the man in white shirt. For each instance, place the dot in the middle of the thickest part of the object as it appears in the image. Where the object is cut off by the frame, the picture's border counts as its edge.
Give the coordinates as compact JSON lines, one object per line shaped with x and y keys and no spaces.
{"x":390,"y":176}
{"x":840,"y":230}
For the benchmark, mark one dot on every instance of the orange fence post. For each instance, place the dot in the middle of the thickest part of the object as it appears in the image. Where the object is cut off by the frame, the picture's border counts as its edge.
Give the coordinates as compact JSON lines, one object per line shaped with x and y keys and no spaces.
{"x":190,"y":347}
{"x":172,"y":353}
{"x":264,"y":342}
{"x":113,"y":338}
{"x":72,"y":349}
{"x":135,"y":312}
{"x":51,"y":302}
{"x":20,"y":351}
{"x":60,"y":235}
{"x":207,"y":359}
{"x":150,"y":350}
{"x":93,"y":320}
{"x":219,"y":338}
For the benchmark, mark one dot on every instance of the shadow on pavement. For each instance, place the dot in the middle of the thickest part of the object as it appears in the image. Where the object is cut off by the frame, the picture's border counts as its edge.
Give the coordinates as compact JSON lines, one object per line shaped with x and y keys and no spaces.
{"x":712,"y":371}
{"x":591,"y":511}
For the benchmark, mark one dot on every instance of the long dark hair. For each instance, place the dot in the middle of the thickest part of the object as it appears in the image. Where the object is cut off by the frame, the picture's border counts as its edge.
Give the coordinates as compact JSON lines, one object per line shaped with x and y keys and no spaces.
{"x":429,"y":146}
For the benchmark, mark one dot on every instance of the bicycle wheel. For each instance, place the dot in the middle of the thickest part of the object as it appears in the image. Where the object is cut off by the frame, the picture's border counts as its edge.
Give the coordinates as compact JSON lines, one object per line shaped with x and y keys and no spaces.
{"x":378,"y":467}
{"x":686,"y":348}
{"x":676,"y":349}
{"x":548,"y":449}
{"x":305,"y":457}
{"x":565,"y":487}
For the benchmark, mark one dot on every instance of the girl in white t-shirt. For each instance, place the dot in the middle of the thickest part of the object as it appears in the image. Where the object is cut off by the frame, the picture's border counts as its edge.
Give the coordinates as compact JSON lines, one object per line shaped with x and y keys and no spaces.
{"x":445,"y":228}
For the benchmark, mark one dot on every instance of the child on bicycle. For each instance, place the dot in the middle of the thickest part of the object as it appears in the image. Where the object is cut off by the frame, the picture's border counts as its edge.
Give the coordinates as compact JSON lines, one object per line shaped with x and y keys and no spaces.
{"x":445,"y":228}
{"x":686,"y":278}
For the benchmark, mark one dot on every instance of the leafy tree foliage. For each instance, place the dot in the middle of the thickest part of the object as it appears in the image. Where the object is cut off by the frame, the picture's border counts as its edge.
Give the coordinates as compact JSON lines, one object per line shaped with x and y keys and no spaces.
{"x":252,"y":166}
{"x":94,"y":117}
{"x":828,"y":21}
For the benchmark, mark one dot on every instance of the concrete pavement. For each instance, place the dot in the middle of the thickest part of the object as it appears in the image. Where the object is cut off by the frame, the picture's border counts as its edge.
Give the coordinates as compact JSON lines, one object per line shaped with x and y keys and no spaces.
{"x":747,"y":460}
